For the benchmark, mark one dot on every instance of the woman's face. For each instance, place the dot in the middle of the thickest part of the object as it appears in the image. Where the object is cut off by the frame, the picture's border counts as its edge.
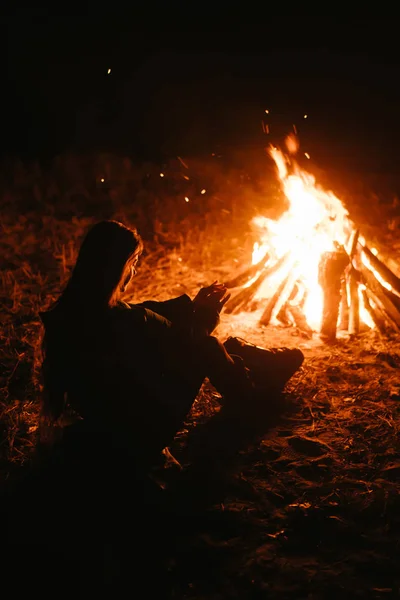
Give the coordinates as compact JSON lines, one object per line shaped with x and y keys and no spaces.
{"x":130,"y":272}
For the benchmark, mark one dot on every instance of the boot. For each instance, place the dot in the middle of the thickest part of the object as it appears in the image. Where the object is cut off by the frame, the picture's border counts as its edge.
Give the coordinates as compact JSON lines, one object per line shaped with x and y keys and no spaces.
{"x":269,"y":368}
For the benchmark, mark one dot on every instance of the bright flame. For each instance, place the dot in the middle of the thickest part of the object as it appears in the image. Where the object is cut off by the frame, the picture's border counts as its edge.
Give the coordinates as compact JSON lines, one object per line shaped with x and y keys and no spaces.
{"x":367,"y":263}
{"x":364,"y":314}
{"x":315,"y":222}
{"x":259,"y":251}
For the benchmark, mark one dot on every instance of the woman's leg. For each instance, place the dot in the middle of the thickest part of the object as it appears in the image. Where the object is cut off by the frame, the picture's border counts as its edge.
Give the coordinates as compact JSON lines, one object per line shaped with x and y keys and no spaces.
{"x":270,"y":368}
{"x":205,"y":359}
{"x":163,"y":416}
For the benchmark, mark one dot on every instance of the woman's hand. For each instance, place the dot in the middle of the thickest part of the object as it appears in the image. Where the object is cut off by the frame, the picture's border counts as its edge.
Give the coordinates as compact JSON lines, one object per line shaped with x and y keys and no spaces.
{"x":213,"y":297}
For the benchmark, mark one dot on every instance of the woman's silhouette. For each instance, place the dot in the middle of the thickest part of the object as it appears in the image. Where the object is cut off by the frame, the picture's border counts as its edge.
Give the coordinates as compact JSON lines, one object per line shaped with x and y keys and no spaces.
{"x":132,"y":371}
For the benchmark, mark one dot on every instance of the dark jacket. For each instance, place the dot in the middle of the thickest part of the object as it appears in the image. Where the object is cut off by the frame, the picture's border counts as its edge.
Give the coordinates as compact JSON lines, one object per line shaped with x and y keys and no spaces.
{"x":129,"y":369}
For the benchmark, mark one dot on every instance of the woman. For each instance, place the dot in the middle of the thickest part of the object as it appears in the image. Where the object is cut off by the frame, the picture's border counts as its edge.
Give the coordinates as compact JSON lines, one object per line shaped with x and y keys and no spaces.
{"x":132,"y":371}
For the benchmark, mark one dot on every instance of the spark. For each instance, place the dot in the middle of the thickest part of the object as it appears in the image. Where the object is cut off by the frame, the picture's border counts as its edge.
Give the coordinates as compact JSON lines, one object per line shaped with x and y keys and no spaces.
{"x":307,"y":155}
{"x":187,"y":199}
{"x":102,"y":180}
{"x":203,"y":191}
{"x":161,"y":174}
{"x":267,"y":111}
{"x":305,"y":117}
{"x":182,"y":162}
{"x":109,"y":71}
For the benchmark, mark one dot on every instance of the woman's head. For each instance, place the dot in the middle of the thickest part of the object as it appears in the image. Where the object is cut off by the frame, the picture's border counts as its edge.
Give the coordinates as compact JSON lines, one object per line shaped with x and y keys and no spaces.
{"x":104,"y":266}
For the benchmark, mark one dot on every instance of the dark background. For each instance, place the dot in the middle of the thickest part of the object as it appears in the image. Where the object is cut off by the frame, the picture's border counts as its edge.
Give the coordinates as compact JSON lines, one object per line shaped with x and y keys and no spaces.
{"x":193,"y":85}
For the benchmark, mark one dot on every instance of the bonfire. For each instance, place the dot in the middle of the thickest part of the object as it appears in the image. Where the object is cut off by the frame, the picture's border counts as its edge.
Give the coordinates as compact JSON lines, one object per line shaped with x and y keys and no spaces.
{"x":312,"y":268}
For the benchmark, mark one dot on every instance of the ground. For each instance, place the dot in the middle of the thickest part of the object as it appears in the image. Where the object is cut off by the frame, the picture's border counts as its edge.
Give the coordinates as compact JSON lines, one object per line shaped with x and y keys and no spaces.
{"x":312,"y":510}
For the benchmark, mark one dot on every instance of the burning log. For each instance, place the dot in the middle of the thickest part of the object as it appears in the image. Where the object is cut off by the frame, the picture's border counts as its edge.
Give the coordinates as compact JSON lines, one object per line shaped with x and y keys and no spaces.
{"x":352,"y":283}
{"x":385,"y":273}
{"x":242,"y":298}
{"x":248,"y":274}
{"x":267,"y":314}
{"x":331,"y":269}
{"x":379,"y":291}
{"x":344,"y":307}
{"x":283,"y":316}
{"x":354,"y":310}
{"x":392,"y":297}
{"x":281,"y":296}
{"x":299,"y":318}
{"x":353,"y":243}
{"x":377,"y":318}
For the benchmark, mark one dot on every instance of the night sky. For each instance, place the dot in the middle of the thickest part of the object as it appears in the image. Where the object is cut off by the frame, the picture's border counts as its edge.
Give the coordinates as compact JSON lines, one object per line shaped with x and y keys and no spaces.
{"x":187,"y":86}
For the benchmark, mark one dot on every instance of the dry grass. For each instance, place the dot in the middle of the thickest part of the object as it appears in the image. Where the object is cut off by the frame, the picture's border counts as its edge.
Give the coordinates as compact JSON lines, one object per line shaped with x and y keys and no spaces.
{"x":314,"y":512}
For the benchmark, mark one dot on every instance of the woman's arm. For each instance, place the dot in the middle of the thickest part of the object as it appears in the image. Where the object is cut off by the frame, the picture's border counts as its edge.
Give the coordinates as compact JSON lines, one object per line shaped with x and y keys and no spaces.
{"x":175,"y":309}
{"x":195,"y":317}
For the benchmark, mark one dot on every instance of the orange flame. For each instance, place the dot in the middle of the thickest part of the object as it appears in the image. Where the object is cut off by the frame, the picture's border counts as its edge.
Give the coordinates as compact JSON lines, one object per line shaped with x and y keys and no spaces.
{"x":315,"y":222}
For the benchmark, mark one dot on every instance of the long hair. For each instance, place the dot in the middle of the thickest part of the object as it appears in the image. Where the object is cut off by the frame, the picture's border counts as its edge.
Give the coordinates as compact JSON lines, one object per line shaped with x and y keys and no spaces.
{"x":106,"y":251}
{"x":104,"y":257}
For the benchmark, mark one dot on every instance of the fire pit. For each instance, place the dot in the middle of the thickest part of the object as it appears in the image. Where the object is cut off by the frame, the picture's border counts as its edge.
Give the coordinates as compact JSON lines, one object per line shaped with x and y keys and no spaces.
{"x":311,"y":269}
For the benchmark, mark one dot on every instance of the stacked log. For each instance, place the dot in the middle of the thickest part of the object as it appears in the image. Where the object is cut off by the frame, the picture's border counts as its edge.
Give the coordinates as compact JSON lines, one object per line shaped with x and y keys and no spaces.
{"x":352,"y":279}
{"x":331,"y":272}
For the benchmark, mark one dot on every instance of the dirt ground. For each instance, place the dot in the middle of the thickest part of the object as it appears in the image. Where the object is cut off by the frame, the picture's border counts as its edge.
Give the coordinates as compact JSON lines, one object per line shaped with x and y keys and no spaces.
{"x":313,"y":509}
